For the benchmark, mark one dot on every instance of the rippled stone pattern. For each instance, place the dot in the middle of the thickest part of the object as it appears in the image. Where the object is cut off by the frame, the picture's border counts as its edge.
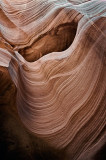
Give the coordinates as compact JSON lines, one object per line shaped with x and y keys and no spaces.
{"x":55,"y":52}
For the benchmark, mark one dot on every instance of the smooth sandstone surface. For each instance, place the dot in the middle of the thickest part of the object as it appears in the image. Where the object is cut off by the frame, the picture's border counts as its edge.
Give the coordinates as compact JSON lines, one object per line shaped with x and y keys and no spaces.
{"x":53,"y":69}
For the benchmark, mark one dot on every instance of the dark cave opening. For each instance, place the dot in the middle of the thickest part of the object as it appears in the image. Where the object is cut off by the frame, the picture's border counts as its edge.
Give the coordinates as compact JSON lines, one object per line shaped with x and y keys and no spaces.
{"x":56,"y":40}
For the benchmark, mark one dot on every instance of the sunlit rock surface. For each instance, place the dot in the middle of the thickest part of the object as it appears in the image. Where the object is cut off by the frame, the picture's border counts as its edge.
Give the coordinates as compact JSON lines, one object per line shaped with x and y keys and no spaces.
{"x":53,"y":79}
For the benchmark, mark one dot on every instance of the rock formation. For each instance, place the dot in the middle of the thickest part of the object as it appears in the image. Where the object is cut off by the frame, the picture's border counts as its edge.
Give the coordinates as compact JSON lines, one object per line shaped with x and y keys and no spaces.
{"x":55,"y":54}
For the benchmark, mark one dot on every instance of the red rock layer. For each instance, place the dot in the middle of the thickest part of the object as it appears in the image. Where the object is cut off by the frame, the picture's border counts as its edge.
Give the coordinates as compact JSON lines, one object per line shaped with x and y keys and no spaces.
{"x":60,"y":96}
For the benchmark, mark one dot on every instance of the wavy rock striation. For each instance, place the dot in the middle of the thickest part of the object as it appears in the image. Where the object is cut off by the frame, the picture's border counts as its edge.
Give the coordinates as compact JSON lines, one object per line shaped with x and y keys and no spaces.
{"x":61,"y":95}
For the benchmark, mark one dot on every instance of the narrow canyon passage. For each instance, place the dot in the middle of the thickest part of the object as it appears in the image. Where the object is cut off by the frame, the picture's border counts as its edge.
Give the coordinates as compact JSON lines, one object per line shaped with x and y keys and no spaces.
{"x":52,"y":79}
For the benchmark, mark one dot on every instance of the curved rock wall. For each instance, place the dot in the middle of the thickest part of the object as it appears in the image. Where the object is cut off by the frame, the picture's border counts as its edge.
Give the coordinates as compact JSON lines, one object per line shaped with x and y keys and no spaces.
{"x":55,"y":54}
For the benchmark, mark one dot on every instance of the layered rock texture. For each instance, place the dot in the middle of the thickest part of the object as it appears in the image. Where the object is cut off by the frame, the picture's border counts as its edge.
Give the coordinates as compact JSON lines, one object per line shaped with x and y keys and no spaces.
{"x":53,"y":69}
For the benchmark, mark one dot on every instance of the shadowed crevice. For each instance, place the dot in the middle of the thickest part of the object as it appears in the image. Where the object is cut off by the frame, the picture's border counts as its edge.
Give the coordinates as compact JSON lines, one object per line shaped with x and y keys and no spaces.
{"x":56,"y":40}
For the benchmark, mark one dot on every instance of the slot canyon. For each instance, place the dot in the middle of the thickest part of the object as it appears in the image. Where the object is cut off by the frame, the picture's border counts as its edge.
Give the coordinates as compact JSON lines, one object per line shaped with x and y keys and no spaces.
{"x":52,"y":79}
